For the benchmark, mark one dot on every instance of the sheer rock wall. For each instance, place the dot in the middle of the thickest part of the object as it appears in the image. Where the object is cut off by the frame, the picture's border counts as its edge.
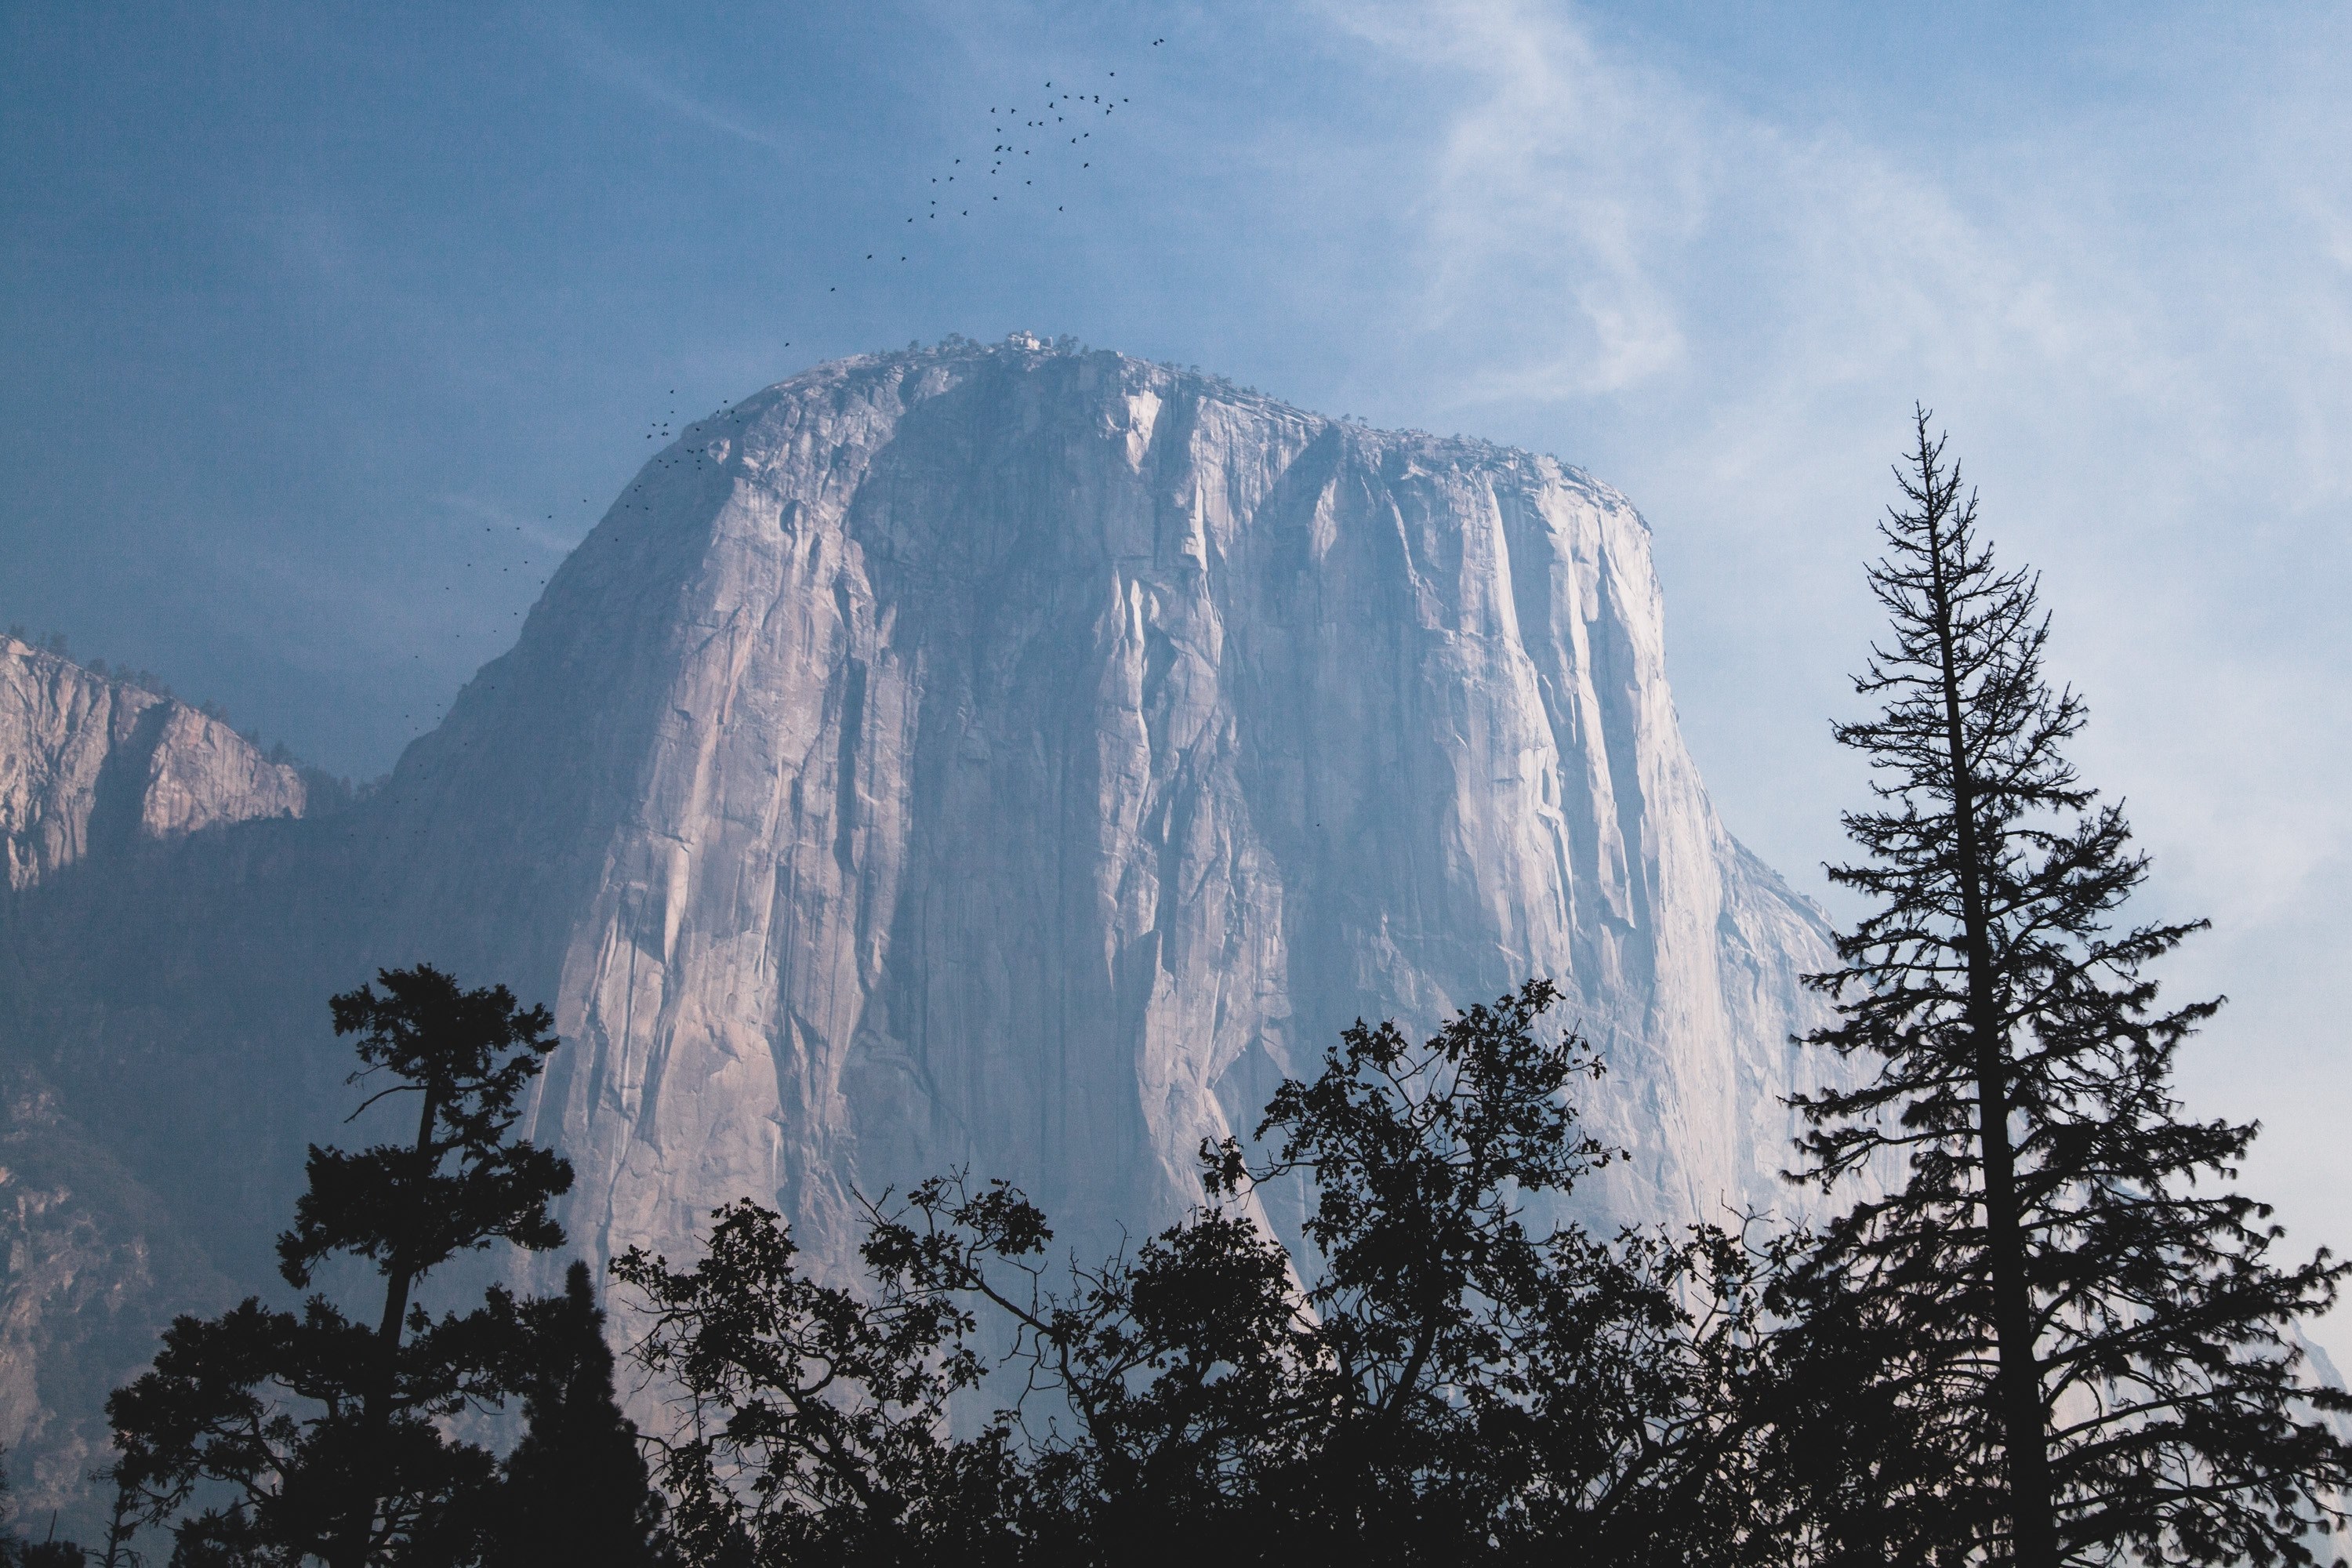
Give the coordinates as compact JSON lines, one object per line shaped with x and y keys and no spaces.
{"x":1020,"y":760}
{"x":996,"y":757}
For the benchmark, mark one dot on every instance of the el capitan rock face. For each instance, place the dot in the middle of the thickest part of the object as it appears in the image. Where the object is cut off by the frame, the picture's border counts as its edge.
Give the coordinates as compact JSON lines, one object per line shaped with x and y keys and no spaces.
{"x":1021,"y":758}
{"x":987,"y":757}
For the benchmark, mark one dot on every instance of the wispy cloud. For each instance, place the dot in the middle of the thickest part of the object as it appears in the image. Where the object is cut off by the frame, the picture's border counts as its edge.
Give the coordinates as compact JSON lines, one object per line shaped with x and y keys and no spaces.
{"x":601,"y":62}
{"x":1586,"y":217}
{"x":1553,"y":203}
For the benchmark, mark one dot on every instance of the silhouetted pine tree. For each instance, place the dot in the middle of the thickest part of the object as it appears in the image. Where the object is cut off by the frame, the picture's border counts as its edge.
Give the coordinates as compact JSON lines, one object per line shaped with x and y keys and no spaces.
{"x":574,"y":1491}
{"x":121,"y":1521}
{"x":2059,"y":1341}
{"x":275,"y":1437}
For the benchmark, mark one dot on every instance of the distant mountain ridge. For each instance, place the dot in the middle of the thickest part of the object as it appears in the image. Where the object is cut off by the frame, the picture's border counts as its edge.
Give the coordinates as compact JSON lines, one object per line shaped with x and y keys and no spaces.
{"x":94,"y":770}
{"x":995,"y":756}
{"x":88,"y":762}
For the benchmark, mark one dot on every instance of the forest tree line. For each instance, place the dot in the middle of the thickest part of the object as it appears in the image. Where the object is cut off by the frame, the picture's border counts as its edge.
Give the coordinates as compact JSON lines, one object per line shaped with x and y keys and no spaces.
{"x":2048,"y":1332}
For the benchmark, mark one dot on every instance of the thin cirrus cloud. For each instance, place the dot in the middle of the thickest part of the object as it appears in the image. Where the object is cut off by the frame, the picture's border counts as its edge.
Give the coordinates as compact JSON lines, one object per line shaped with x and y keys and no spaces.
{"x":1551,"y":205}
{"x":600,"y":61}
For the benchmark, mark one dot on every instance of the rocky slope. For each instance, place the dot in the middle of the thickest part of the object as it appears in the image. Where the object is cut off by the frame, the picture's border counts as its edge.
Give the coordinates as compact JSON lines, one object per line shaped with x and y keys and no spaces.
{"x":93,"y":772}
{"x":995,"y":757}
{"x":89,"y":763}
{"x":95,"y":1267}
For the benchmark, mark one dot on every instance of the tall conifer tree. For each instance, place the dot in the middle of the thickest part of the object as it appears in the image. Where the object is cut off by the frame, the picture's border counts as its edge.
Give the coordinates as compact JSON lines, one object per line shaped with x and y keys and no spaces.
{"x":575,"y":1492}
{"x":270,"y":1436}
{"x":2059,"y":1339}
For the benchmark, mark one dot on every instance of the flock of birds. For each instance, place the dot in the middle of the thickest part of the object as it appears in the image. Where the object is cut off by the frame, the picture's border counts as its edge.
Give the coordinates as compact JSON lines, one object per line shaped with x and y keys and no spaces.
{"x":1031,"y":139}
{"x":1026,"y":143}
{"x":1060,"y":125}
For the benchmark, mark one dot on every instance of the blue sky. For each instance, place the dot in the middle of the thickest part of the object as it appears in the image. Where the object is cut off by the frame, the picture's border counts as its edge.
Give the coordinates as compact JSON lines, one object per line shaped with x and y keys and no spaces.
{"x":327,"y":329}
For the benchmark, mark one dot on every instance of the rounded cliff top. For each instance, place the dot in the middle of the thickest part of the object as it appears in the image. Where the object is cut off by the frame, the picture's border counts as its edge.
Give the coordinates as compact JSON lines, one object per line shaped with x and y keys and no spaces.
{"x":1025,"y":350}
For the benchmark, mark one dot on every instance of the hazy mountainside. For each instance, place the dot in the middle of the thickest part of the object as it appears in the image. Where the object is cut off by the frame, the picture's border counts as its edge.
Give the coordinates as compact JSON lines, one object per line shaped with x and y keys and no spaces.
{"x":94,"y":773}
{"x":998,"y":757}
{"x":94,"y":1269}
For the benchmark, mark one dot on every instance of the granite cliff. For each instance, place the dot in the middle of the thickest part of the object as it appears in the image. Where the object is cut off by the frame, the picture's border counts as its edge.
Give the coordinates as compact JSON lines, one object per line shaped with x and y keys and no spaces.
{"x":1002,"y":757}
{"x":89,"y":763}
{"x":1023,"y":758}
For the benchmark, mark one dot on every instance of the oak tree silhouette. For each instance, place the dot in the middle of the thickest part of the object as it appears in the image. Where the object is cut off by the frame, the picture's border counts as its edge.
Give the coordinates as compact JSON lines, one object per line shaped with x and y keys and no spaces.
{"x":1437,"y":1379}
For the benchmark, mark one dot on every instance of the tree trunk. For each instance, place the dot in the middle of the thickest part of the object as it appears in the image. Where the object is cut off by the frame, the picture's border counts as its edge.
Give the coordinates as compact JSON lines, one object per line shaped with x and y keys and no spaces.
{"x":2018,"y":1384}
{"x":351,"y":1549}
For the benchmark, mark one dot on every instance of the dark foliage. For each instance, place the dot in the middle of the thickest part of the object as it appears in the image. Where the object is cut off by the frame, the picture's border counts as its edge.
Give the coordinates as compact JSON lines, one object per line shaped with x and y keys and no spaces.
{"x":574,"y":1492}
{"x":271,"y":1436}
{"x":810,"y":1423}
{"x":1451,"y":1386}
{"x":2059,"y":1338}
{"x":1471,"y":1381}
